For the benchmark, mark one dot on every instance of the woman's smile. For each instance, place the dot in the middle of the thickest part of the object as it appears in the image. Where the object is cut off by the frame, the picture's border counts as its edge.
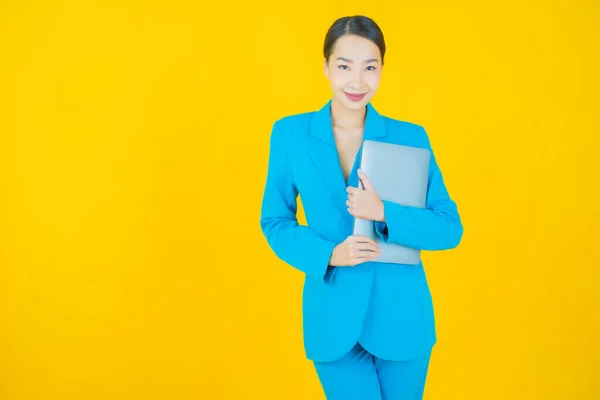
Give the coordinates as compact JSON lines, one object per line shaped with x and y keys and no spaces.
{"x":355,"y":97}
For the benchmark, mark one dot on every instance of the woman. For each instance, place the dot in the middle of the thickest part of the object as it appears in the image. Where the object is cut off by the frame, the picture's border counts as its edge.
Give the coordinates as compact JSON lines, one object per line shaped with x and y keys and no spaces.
{"x":368,"y":326}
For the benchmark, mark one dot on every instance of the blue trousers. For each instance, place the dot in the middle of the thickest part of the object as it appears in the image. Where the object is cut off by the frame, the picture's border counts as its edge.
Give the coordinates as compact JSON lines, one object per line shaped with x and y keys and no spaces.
{"x":360,"y":375}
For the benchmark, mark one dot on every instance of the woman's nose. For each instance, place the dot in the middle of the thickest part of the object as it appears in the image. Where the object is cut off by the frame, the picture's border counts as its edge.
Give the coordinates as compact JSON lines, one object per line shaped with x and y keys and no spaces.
{"x":356,"y":80}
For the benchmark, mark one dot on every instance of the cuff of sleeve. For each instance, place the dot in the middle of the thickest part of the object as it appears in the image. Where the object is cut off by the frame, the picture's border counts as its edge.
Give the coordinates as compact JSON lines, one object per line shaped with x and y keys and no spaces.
{"x":381,"y":229}
{"x":329,"y":270}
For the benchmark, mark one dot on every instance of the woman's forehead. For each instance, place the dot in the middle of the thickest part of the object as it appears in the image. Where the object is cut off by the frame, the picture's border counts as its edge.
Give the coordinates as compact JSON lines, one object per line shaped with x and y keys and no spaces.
{"x":355,"y":48}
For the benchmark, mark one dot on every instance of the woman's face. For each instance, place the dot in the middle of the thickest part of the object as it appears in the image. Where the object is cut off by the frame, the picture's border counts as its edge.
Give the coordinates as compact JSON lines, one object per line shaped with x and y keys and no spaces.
{"x":354,"y":68}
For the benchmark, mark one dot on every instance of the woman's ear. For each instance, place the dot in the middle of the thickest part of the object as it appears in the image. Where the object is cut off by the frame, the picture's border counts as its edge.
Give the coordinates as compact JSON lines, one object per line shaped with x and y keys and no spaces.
{"x":325,"y":68}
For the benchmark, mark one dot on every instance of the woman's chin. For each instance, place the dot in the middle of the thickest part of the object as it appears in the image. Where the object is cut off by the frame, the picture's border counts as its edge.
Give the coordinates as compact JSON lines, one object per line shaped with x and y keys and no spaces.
{"x":351,"y":105}
{"x":355,"y":105}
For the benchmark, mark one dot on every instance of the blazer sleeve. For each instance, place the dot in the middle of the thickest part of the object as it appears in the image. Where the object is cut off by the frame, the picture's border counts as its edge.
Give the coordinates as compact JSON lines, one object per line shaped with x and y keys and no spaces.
{"x":298,"y":245}
{"x":436,"y":227}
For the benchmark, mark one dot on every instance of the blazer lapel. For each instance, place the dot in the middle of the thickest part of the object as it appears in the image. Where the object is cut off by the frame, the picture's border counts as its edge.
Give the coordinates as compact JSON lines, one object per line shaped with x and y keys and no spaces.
{"x":323,"y":151}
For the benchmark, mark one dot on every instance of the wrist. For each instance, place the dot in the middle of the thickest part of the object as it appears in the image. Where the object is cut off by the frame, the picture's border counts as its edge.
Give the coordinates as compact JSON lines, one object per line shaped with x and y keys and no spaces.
{"x":332,"y":257}
{"x":381,"y":212}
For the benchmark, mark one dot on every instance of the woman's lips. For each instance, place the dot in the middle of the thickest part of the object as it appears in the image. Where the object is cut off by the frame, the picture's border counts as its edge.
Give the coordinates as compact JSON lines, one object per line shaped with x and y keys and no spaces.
{"x":355,"y":97}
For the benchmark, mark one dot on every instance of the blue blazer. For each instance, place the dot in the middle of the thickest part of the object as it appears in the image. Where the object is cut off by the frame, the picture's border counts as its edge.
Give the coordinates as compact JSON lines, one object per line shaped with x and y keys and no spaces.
{"x":386,"y":307}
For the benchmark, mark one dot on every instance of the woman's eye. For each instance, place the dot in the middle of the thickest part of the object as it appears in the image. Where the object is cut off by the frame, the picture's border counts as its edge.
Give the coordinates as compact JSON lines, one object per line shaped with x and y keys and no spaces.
{"x":343,"y":66}
{"x":370,"y":66}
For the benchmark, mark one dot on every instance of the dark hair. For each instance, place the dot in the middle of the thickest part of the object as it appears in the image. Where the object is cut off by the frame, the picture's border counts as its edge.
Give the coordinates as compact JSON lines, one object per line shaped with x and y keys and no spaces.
{"x":354,"y":25}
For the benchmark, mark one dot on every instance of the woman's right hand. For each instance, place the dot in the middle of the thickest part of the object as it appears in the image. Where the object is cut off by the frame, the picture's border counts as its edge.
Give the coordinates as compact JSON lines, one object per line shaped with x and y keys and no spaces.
{"x":354,"y":250}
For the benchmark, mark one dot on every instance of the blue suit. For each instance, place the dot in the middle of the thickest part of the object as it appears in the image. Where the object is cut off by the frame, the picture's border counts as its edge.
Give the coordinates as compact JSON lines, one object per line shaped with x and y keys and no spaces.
{"x":387,"y":308}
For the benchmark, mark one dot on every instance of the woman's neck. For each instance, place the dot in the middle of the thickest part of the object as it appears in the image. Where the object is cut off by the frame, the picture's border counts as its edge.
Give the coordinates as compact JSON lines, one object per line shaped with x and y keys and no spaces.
{"x":346,"y":119}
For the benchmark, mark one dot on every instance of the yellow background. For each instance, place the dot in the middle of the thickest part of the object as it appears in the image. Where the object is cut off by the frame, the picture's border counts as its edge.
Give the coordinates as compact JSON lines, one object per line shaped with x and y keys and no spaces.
{"x":133,"y":150}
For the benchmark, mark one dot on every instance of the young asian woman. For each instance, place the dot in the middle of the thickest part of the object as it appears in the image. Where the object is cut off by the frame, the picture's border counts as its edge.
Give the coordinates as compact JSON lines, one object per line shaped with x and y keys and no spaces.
{"x":368,"y":327}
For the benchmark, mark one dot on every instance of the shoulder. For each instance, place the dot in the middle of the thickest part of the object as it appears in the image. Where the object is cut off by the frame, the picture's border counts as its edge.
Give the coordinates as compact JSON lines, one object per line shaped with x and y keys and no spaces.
{"x":394,"y":125}
{"x":295,"y":122}
{"x":404,"y":131}
{"x":293,"y":127}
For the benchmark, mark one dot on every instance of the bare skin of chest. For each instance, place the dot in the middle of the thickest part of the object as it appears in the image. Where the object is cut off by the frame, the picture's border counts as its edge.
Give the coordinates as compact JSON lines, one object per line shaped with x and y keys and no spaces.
{"x":347,"y":144}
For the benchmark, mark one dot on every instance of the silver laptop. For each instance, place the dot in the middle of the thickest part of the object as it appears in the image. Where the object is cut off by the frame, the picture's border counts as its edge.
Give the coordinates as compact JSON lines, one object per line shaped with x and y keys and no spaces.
{"x":398,"y":174}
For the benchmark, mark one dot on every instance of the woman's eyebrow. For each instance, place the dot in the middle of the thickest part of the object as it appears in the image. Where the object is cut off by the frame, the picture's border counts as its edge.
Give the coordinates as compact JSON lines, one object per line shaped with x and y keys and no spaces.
{"x":350,"y":61}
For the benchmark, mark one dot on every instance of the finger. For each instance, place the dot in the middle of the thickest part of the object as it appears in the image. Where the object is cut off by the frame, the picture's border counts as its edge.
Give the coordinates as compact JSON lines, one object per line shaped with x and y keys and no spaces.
{"x":360,"y":260}
{"x":367,"y":246}
{"x":355,"y":196}
{"x":352,"y":189}
{"x":369,"y":255}
{"x":364,"y":249}
{"x":366,"y":255}
{"x":360,"y":238}
{"x":363,"y":239}
{"x":365,"y":181}
{"x":366,"y":184}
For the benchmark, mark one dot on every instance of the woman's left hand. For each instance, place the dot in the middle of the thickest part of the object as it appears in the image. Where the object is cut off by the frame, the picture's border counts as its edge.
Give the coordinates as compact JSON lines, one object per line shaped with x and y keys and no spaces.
{"x":364,"y":203}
